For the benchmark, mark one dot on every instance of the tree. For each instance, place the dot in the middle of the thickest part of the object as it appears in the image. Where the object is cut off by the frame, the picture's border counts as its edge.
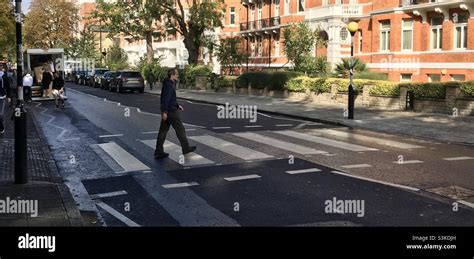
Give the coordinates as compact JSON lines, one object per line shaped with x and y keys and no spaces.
{"x":344,"y":67}
{"x":83,"y":46}
{"x":51,"y":24}
{"x":231,"y":54}
{"x":203,"y":15}
{"x":117,"y":58}
{"x":138,"y":19}
{"x":7,"y":30}
{"x":299,"y":43}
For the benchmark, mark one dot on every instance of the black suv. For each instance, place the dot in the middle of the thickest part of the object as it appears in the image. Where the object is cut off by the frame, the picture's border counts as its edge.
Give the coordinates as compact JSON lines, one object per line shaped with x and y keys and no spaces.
{"x":107,"y":78}
{"x":94,"y":78}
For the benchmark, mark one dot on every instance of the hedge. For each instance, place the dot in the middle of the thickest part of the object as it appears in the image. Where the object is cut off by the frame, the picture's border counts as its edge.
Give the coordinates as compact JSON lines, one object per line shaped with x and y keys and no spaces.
{"x":261,"y":79}
{"x":428,"y":90}
{"x":371,"y":75}
{"x":226,"y":81}
{"x":191,"y":71}
{"x":467,"y":88}
{"x":387,"y":89}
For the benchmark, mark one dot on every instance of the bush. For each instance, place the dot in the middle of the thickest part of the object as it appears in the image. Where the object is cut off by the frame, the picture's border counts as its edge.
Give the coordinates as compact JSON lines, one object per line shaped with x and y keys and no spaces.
{"x":299,"y":84}
{"x":388,"y":89}
{"x":467,"y":88}
{"x":321,"y":85}
{"x":371,"y":75}
{"x":428,"y":90}
{"x":343,"y":84}
{"x":191,"y":71}
{"x":226,"y":81}
{"x":343,"y":67}
{"x":271,"y":80}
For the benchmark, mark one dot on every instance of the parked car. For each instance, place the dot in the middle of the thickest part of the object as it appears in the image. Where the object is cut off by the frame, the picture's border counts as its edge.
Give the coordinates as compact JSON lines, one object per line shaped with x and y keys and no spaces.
{"x":107,"y":79}
{"x":128,"y":80}
{"x":87,"y":78}
{"x":96,"y":74}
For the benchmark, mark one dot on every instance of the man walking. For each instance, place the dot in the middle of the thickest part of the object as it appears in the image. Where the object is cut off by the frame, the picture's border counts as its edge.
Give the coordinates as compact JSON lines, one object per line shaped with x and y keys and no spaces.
{"x":5,"y":94}
{"x":170,"y":110}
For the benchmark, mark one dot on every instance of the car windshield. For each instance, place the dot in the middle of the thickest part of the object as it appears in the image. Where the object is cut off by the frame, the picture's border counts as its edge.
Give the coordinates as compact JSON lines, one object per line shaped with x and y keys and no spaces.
{"x":100,"y":72}
{"x":131,"y":74}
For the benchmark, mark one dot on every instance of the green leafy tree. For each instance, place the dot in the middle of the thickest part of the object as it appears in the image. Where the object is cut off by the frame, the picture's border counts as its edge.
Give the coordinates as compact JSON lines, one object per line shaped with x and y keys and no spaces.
{"x":7,"y":30}
{"x":117,"y":58}
{"x":50,"y":24}
{"x":343,"y":68}
{"x":83,"y":46}
{"x":138,"y":19}
{"x":191,"y":22}
{"x":230,"y":54}
{"x":299,"y":43}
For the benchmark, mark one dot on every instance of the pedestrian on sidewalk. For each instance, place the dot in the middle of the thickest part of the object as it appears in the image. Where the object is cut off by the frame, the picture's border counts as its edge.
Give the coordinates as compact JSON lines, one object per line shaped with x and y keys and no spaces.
{"x":46,"y":81}
{"x":170,"y":110}
{"x":58,"y":90}
{"x":5,"y":95}
{"x":27,"y":84}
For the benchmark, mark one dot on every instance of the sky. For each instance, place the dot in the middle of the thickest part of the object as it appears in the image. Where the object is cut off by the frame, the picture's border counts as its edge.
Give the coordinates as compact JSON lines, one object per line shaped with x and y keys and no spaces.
{"x":25,"y":5}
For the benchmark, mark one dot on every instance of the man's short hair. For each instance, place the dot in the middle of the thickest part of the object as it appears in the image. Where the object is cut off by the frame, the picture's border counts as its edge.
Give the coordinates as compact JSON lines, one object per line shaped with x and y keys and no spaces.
{"x":171,"y":72}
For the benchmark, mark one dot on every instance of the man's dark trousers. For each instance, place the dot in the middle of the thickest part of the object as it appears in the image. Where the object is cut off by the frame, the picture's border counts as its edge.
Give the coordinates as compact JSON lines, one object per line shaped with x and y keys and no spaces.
{"x":175,"y":121}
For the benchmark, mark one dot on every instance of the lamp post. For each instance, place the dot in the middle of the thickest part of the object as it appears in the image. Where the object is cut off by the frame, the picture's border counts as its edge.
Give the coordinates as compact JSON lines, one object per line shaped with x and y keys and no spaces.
{"x":352,"y":27}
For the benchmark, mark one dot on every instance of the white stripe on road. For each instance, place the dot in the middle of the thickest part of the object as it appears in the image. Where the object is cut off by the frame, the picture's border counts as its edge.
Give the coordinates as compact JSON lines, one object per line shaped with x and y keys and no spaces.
{"x":377,"y":181}
{"x":191,"y":125}
{"x":150,"y":132}
{"x":254,"y":126}
{"x":469,"y":204}
{"x":458,"y":158}
{"x":243,"y":177}
{"x":278,"y":143}
{"x":310,"y":170}
{"x":406,"y":162}
{"x":230,"y":148}
{"x":283,"y":125}
{"x":117,"y":214}
{"x":111,"y":136}
{"x":179,"y":185}
{"x":221,"y":127}
{"x":325,"y":141}
{"x":176,"y":154}
{"x":356,"y":166}
{"x":379,"y":141}
{"x":128,"y":162}
{"x":108,"y":194}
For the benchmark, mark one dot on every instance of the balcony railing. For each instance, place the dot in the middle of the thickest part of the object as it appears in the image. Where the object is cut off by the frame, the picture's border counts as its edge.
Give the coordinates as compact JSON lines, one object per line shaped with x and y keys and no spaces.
{"x":260,"y":24}
{"x":404,"y":3}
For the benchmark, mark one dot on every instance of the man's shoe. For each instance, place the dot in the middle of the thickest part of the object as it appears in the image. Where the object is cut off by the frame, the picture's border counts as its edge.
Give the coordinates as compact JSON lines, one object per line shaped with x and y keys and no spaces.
{"x":161,"y":156}
{"x":2,"y":131}
{"x":191,"y":149}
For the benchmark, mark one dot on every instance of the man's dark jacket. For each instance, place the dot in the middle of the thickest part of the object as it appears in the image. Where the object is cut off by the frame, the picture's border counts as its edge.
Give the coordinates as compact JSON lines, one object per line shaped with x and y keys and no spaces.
{"x":169,"y":103}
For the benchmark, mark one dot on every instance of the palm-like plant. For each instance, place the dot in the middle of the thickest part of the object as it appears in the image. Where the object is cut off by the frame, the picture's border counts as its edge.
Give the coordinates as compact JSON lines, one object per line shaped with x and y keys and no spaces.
{"x":344,"y":67}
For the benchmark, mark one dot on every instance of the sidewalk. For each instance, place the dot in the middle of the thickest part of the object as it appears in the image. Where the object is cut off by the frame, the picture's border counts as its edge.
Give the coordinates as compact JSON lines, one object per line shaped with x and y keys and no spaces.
{"x":439,"y":127}
{"x":55,"y":205}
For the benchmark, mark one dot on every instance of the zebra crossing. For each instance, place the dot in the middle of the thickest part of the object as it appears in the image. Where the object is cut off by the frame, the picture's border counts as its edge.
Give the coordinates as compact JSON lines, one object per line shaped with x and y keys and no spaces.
{"x":257,"y":146}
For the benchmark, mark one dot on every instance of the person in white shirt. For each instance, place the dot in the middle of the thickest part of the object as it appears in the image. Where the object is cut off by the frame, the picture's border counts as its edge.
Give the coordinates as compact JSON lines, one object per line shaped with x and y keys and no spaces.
{"x":27,"y":84}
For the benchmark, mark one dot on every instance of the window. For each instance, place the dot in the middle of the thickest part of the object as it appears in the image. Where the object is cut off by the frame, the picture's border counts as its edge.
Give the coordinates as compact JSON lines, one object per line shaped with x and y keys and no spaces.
{"x":460,"y":32}
{"x":385,"y":35}
{"x":338,"y":2}
{"x":436,"y":33}
{"x":259,"y":16}
{"x":344,"y":33}
{"x":405,"y":77}
{"x":325,"y":2}
{"x":260,"y":46}
{"x":252,"y":47}
{"x":252,"y":17}
{"x":434,"y":78}
{"x":360,"y":41}
{"x":300,"y":5}
{"x":276,"y":40}
{"x":407,"y":34}
{"x":232,"y":15}
{"x":286,"y":8}
{"x":458,"y":77}
{"x":276,"y":4}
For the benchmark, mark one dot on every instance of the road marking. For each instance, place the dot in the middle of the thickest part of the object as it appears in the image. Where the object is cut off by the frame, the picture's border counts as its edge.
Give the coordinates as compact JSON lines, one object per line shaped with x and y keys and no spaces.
{"x":243,"y":177}
{"x":265,"y":115}
{"x":379,"y":141}
{"x":356,"y":166}
{"x":230,"y":148}
{"x":278,"y":143}
{"x":111,"y":136}
{"x":150,"y":132}
{"x":117,"y":214}
{"x":325,"y":141}
{"x":221,"y":127}
{"x":176,"y":153}
{"x":254,"y":126}
{"x":310,"y":170}
{"x":108,"y":194}
{"x":469,"y":204}
{"x":191,"y":125}
{"x":405,"y":162}
{"x":179,"y":185}
{"x":191,"y":129}
{"x":377,"y":181}
{"x":128,"y":162}
{"x":283,"y":125}
{"x":458,"y":158}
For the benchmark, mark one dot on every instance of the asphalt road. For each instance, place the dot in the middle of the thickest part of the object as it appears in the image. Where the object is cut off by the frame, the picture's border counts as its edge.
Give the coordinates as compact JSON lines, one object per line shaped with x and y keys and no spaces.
{"x":275,"y":171}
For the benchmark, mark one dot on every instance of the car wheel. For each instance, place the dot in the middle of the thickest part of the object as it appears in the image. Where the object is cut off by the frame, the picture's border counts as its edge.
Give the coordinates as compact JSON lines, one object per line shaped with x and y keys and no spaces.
{"x":118,"y":89}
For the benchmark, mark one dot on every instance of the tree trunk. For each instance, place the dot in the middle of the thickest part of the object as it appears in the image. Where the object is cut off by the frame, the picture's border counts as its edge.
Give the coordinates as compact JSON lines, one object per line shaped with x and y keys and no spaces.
{"x":193,"y":49}
{"x":149,"y":48}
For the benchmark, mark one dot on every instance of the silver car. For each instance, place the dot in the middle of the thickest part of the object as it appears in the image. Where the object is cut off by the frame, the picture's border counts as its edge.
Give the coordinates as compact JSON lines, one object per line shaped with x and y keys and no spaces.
{"x":128,"y":80}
